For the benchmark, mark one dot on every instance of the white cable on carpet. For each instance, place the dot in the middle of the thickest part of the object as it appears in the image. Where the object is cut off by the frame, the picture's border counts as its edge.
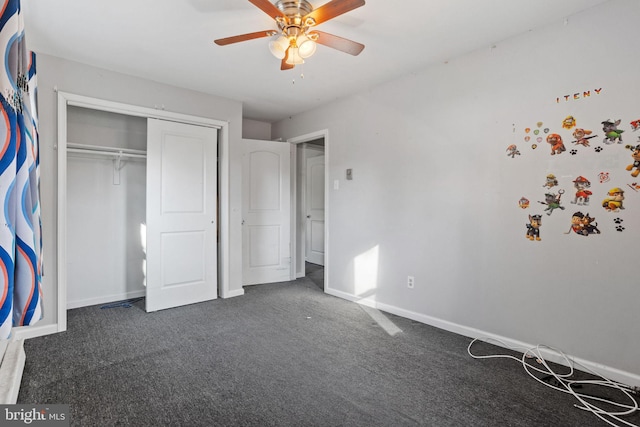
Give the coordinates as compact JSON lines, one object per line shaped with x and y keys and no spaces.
{"x":566,"y":383}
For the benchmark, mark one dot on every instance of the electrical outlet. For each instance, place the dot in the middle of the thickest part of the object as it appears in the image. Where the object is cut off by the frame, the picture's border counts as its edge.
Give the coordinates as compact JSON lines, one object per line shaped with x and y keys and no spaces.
{"x":410,"y":282}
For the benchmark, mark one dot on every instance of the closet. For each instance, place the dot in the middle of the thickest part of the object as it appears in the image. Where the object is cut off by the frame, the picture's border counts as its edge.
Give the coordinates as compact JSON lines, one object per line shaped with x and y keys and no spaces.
{"x":137,"y":205}
{"x":106,"y":206}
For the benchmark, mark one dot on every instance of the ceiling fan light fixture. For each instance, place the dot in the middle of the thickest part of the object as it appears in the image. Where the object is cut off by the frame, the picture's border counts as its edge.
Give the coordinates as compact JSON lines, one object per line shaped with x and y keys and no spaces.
{"x":294,"y":58}
{"x":306,"y":46}
{"x":279,"y":46}
{"x":296,"y":37}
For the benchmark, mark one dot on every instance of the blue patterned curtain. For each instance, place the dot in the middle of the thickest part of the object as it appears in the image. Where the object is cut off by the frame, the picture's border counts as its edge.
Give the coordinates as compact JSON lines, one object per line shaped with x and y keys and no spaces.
{"x":20,"y":225}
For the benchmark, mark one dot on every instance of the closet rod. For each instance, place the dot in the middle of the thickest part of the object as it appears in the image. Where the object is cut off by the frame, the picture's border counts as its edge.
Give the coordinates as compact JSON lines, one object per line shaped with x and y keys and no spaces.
{"x":107,"y":153}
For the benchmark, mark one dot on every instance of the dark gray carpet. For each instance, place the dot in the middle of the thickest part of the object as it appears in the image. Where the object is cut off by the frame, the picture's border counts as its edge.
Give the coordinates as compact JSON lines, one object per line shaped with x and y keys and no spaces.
{"x":284,"y":354}
{"x":315,"y":273}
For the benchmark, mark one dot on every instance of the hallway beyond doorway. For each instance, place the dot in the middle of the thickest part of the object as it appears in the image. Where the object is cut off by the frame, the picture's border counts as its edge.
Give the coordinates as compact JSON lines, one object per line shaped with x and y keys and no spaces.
{"x":315,"y":273}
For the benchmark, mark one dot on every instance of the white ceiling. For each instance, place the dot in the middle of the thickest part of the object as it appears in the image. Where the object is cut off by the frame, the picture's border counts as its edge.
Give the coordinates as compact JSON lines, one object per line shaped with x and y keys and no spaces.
{"x":171,"y":41}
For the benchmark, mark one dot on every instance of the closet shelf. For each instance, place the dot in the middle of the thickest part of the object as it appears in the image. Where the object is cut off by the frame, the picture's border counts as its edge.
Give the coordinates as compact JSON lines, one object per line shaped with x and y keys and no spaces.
{"x":106,"y":151}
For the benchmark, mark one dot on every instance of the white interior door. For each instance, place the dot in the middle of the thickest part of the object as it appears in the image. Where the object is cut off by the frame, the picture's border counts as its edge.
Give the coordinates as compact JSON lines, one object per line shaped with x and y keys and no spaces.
{"x":266,"y":212}
{"x":314,"y":198}
{"x":181,"y":213}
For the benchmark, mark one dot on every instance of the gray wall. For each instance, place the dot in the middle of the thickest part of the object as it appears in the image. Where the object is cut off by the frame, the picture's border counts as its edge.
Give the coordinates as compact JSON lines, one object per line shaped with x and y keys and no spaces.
{"x":254,"y":129}
{"x":84,"y":80}
{"x":435,"y":196}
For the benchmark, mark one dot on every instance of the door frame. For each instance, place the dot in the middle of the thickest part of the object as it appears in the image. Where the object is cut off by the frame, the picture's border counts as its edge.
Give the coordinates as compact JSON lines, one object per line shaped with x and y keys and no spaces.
{"x":65,"y":100}
{"x":324,"y":134}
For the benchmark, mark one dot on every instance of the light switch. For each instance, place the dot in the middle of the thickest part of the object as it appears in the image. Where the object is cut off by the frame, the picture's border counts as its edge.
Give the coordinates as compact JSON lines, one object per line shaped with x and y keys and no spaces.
{"x":349,"y":174}
{"x":336,"y":184}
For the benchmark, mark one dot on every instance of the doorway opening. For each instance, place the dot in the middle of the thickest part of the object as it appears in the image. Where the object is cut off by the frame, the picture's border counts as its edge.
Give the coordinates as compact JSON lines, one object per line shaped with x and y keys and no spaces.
{"x":309,"y":217}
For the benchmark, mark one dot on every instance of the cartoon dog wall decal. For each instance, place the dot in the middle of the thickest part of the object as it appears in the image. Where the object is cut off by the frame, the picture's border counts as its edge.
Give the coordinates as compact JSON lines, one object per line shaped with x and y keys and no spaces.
{"x":635,"y":155}
{"x":551,"y":181}
{"x":583,"y":224}
{"x":582,"y":137}
{"x":635,"y":124}
{"x":513,"y":151}
{"x":552,"y":201}
{"x":611,"y":132}
{"x":557,"y":146}
{"x":533,"y":228}
{"x":613,"y":203}
{"x":582,"y":194}
{"x":569,"y":122}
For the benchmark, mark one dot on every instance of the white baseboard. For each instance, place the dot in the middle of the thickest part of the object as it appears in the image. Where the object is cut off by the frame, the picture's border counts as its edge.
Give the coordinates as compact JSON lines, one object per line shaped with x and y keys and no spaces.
{"x":614,"y":374}
{"x":11,"y":368}
{"x":26,"y":332}
{"x":234,"y":293}
{"x":105,"y":299}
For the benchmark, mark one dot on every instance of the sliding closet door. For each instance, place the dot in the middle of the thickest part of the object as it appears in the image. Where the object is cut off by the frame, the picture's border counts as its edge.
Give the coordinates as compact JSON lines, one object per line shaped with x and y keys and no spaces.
{"x":181,"y":213}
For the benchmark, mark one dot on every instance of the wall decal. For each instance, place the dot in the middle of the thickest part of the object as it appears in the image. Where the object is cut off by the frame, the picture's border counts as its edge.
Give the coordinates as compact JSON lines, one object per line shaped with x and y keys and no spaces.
{"x":582,"y":194}
{"x":533,"y":227}
{"x":551,"y":181}
{"x":569,"y":122}
{"x":582,"y":130}
{"x":583,"y":224}
{"x":576,"y":96}
{"x":581,"y":137}
{"x":635,"y":155}
{"x":557,"y":146}
{"x":552,"y":201}
{"x":512,"y":151}
{"x":613,"y":203}
{"x":603,"y":177}
{"x":611,"y":131}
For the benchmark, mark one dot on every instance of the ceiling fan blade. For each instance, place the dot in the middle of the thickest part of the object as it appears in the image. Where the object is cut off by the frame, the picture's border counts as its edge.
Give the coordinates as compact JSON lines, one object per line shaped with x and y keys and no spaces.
{"x":244,"y":37}
{"x":332,"y":9}
{"x":283,"y":64}
{"x":339,"y":43}
{"x":269,"y":8}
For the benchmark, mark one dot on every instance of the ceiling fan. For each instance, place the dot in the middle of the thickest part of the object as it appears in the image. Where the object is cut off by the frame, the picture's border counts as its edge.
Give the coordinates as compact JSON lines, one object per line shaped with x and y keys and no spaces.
{"x":296,"y":20}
